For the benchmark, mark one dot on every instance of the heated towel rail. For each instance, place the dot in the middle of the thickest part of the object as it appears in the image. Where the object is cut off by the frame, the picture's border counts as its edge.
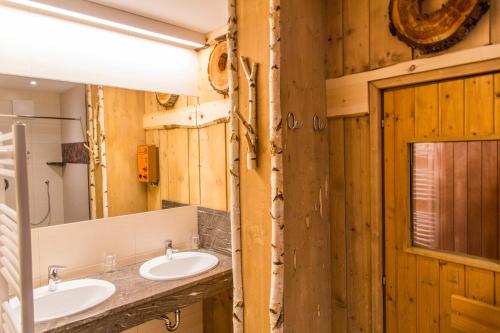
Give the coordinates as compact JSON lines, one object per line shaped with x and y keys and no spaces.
{"x":16,"y":276}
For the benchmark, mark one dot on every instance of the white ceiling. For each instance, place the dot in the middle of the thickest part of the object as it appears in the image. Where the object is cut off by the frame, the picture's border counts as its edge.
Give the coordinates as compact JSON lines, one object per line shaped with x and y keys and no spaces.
{"x":198,"y":15}
{"x":20,"y":82}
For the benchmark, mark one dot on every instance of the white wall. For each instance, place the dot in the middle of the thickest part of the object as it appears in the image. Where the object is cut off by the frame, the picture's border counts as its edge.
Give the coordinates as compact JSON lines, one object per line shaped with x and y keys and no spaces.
{"x":75,"y":176}
{"x":46,"y":47}
{"x":44,"y":145}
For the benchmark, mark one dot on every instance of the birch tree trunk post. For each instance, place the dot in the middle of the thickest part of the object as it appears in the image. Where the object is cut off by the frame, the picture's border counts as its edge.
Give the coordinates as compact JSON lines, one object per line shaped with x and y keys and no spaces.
{"x":252,"y":113}
{"x":102,"y":146}
{"x":91,"y":146}
{"x":234,"y":169}
{"x":277,"y":199}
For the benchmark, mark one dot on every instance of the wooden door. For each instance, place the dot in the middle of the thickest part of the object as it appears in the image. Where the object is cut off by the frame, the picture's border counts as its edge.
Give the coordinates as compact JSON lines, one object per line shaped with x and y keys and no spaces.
{"x":420,"y":282}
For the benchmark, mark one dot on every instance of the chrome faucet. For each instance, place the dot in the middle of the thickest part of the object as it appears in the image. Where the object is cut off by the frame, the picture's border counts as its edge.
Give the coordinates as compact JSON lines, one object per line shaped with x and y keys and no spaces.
{"x":54,"y":278}
{"x":169,"y":250}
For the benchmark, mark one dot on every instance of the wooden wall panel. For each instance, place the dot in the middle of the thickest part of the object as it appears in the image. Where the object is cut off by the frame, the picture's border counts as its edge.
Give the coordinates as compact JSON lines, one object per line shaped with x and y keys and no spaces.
{"x":480,"y":285}
{"x":460,"y":194}
{"x":338,"y":225}
{"x":367,"y":42}
{"x":305,"y":166}
{"x":154,"y":192}
{"x":335,"y":39}
{"x":357,"y":228}
{"x":213,"y":167}
{"x":194,"y":165}
{"x":253,"y":42}
{"x":474,"y":201}
{"x":356,"y":22}
{"x":426,"y":111}
{"x":178,"y":165}
{"x":124,"y":110}
{"x":385,"y":50}
{"x":427,"y":295}
{"x":451,"y":282}
{"x":451,"y":108}
{"x":479,"y":96}
{"x":390,"y":219}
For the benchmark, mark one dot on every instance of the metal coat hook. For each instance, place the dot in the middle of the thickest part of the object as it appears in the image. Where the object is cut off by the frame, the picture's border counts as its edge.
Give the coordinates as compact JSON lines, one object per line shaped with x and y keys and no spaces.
{"x":291,"y":122}
{"x":318,"y":125}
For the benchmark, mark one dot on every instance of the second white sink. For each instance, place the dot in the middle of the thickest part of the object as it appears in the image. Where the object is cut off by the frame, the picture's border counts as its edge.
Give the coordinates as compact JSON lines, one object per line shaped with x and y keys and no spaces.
{"x":182,"y":265}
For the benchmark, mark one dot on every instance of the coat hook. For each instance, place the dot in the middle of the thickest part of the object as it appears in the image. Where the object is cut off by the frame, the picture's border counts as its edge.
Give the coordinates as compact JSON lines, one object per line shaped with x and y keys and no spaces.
{"x":318,"y":125}
{"x":291,"y":122}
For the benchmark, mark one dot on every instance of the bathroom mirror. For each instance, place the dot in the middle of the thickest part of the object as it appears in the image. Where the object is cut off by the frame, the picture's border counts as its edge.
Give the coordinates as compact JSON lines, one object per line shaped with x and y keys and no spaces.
{"x":79,"y":170}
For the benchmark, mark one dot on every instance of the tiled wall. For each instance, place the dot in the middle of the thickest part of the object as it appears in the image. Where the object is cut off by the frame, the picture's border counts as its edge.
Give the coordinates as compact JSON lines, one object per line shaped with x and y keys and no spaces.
{"x":82,"y":246}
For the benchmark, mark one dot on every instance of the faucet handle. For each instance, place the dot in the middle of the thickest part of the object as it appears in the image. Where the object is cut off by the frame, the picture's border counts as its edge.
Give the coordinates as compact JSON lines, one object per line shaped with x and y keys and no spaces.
{"x":53,"y":270}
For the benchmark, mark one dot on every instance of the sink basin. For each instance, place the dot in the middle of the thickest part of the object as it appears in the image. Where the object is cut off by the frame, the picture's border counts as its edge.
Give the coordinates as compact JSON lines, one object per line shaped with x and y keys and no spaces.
{"x":71,"y":297}
{"x":182,"y":265}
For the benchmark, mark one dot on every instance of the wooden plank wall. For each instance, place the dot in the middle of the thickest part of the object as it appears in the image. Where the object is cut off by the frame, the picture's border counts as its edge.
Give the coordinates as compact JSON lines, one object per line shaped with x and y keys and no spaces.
{"x":358,"y":37}
{"x":124,"y":110}
{"x":350,"y":234}
{"x":307,"y":248}
{"x":462,"y":175}
{"x":419,"y":287}
{"x":255,"y":193}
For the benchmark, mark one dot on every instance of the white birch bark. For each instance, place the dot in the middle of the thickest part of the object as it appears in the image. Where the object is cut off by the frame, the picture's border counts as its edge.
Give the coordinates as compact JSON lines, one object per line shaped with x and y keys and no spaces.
{"x":90,"y":138}
{"x":234,"y":169}
{"x":102,"y":146}
{"x":251,"y":126}
{"x":277,"y":199}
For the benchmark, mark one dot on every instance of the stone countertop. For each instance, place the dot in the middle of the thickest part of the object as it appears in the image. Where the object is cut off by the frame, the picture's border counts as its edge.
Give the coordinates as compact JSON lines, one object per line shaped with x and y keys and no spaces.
{"x":138,"y":300}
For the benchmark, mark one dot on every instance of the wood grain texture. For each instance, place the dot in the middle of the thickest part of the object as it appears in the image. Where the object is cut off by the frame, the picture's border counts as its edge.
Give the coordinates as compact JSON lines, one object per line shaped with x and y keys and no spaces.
{"x":385,"y":50}
{"x":154,"y":193}
{"x":451,"y":108}
{"x":335,"y":39}
{"x":123,"y":113}
{"x":194,"y":166}
{"x":479,"y":97}
{"x":178,"y":165}
{"x":473,"y":316}
{"x":451,"y":282}
{"x":253,"y":42}
{"x":338,"y":225}
{"x":426,"y":111}
{"x":427,"y":295}
{"x":305,"y":166}
{"x":419,"y":285}
{"x":357,"y":225}
{"x":356,"y":22}
{"x":480,"y":285}
{"x":213,"y":166}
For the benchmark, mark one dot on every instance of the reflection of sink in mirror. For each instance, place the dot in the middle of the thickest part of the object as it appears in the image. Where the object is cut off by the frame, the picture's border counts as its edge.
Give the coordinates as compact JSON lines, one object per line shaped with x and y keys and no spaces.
{"x":182,"y":265}
{"x":71,"y":297}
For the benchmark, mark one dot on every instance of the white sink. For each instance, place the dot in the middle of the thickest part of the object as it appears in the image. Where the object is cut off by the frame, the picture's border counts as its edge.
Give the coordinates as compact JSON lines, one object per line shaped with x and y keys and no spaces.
{"x":71,"y":297}
{"x":182,"y":265}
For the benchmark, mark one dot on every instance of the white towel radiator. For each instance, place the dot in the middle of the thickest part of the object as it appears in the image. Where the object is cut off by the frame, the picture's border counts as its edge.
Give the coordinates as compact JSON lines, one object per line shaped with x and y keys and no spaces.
{"x":16,"y":276}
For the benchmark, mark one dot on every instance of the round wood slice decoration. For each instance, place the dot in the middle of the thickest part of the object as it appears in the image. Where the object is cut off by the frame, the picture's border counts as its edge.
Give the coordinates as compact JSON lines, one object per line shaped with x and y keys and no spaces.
{"x":166,"y":100}
{"x":436,"y":31}
{"x":218,"y":73}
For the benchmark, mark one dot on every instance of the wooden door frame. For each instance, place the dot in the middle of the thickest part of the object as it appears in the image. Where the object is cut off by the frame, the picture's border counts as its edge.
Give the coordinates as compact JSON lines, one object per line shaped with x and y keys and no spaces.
{"x":375,"y":92}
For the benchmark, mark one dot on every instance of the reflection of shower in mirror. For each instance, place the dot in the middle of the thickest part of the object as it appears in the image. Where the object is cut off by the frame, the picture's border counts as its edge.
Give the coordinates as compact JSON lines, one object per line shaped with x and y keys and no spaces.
{"x":47,"y":215}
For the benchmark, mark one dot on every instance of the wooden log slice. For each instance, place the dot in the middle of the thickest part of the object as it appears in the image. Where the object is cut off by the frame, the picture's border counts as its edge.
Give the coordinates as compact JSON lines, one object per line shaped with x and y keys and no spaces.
{"x":166,"y":100}
{"x":436,"y":31}
{"x":218,"y":70}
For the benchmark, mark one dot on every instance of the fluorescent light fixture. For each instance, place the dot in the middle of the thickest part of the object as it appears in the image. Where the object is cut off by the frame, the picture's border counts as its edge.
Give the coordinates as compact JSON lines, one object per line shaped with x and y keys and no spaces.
{"x":104,"y":22}
{"x":33,"y":83}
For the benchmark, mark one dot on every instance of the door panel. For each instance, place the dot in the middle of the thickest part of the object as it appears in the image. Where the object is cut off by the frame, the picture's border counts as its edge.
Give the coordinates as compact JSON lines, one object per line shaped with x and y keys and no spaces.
{"x":420,"y":284}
